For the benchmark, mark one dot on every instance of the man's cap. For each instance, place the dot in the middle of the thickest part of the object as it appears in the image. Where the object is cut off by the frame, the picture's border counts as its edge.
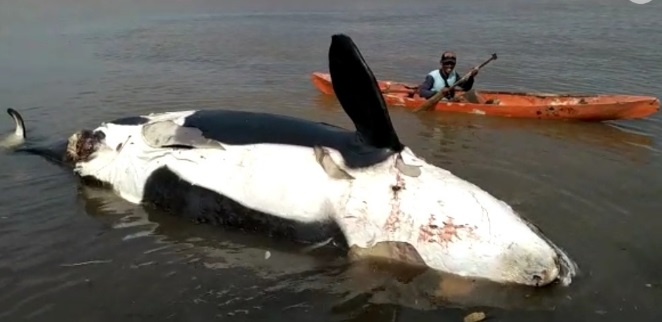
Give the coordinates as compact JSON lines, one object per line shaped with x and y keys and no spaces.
{"x":448,"y":56}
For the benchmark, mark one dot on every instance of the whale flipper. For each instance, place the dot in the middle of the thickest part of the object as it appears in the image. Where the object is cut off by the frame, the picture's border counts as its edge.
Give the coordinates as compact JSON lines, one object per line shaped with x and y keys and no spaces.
{"x":330,"y":166}
{"x":168,"y":134}
{"x":357,"y":91}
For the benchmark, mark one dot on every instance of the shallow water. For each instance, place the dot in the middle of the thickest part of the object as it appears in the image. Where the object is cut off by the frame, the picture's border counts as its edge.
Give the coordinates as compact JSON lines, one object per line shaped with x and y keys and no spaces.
{"x":73,"y":253}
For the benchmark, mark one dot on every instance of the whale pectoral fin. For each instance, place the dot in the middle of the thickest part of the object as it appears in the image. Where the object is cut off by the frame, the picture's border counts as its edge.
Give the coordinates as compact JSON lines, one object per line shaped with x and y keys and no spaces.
{"x":357,"y":90}
{"x":403,"y":252}
{"x":330,"y":167}
{"x":168,"y":134}
{"x":400,"y":258}
{"x":406,"y":169}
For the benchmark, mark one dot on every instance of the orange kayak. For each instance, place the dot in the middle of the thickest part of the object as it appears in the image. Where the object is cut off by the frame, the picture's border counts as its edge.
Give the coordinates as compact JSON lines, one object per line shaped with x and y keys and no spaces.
{"x":519,"y":105}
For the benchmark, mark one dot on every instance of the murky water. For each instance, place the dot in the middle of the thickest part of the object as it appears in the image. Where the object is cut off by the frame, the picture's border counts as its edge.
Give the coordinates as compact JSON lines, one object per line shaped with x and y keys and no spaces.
{"x":73,"y":253}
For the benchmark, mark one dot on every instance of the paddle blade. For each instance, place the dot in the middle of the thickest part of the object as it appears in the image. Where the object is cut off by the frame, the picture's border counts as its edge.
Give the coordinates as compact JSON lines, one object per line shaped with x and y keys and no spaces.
{"x":430,"y":102}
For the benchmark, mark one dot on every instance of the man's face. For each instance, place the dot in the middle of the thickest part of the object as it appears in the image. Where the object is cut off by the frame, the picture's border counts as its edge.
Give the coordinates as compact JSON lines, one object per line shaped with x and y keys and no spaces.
{"x":447,"y":65}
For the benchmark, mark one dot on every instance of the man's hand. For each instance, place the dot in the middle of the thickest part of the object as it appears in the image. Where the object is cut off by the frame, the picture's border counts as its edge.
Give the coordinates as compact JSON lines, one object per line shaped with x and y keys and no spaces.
{"x":444,"y":91}
{"x":474,"y":72}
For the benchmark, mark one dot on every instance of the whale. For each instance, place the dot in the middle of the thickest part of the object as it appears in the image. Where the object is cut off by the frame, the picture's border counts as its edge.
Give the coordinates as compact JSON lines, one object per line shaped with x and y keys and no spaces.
{"x":313,"y":182}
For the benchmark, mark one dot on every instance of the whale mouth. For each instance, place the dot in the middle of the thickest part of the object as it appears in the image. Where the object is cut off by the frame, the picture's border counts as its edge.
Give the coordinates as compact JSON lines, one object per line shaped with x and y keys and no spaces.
{"x":82,"y":145}
{"x":566,"y":268}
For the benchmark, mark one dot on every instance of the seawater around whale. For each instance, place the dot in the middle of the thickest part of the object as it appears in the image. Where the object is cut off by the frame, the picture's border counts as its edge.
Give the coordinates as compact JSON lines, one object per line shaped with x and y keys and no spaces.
{"x":314,"y":182}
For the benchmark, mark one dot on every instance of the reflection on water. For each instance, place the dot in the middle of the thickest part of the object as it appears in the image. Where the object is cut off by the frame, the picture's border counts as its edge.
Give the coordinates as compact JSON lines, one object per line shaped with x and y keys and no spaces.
{"x":220,"y":247}
{"x":637,"y":147}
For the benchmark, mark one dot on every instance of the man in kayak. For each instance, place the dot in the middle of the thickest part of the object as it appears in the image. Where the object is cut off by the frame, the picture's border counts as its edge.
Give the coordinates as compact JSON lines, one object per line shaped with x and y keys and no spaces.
{"x":444,"y":77}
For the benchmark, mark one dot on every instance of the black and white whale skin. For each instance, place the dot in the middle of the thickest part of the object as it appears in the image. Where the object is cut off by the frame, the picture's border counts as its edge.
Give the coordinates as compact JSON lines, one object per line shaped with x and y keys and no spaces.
{"x":312,"y":182}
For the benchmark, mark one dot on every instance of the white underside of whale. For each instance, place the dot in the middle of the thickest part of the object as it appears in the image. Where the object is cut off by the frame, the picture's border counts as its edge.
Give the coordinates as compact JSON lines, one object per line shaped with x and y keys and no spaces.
{"x":455,"y":226}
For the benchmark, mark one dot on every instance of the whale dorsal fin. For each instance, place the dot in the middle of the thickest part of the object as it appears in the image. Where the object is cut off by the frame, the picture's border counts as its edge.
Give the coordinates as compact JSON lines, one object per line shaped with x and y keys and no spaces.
{"x":357,"y":91}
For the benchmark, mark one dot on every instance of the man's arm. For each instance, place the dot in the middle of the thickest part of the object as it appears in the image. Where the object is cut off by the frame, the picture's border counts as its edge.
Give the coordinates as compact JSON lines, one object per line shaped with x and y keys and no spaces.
{"x":424,"y":89}
{"x":468,"y":84}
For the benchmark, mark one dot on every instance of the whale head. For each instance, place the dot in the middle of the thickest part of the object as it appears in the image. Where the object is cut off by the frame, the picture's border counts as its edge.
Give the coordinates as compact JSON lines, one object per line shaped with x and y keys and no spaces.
{"x":452,"y":225}
{"x":446,"y":223}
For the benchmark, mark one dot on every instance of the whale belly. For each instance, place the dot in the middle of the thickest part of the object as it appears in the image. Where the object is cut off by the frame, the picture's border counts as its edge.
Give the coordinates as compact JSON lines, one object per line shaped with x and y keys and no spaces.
{"x":276,"y":189}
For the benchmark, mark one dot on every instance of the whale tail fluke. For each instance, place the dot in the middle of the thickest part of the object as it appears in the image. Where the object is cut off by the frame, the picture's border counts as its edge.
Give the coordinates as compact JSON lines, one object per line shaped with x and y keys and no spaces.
{"x":18,"y":137}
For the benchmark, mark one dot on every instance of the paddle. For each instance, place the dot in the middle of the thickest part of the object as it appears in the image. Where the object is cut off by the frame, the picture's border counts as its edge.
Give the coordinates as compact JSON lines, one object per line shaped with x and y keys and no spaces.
{"x":432,"y":101}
